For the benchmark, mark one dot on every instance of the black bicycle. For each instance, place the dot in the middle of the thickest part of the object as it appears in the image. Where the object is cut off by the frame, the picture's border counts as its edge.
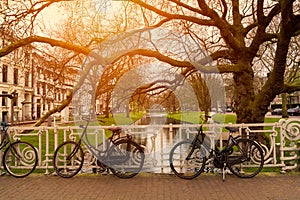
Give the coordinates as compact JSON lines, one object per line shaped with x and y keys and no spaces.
{"x":121,"y":155}
{"x":20,"y":158}
{"x":242,"y":156}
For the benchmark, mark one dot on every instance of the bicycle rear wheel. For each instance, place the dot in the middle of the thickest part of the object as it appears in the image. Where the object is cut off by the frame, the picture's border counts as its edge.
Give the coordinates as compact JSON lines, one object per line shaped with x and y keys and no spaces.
{"x":20,"y":159}
{"x":68,"y":159}
{"x":126,"y":158}
{"x":183,"y":167}
{"x":247,"y":158}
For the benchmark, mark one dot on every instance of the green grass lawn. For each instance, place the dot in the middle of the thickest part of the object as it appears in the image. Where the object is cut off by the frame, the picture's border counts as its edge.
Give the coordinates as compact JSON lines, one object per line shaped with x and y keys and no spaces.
{"x":194,"y":118}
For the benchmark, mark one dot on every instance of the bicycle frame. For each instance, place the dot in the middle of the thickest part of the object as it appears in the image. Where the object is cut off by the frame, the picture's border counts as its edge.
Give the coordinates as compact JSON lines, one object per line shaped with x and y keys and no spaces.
{"x":6,"y":139}
{"x":111,"y":140}
{"x":3,"y":142}
{"x":197,"y":141}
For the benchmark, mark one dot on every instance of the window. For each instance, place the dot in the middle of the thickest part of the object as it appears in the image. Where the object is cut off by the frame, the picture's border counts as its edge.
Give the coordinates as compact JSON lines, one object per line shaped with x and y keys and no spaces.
{"x":44,"y":105}
{"x":26,"y":78}
{"x":44,"y":88}
{"x":4,"y":99}
{"x":15,"y":101}
{"x":16,"y":76}
{"x":38,"y":89}
{"x":4,"y":73}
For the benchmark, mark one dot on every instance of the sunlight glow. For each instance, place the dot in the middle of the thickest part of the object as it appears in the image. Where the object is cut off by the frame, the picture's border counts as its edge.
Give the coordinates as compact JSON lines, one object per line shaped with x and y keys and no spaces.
{"x":52,"y":16}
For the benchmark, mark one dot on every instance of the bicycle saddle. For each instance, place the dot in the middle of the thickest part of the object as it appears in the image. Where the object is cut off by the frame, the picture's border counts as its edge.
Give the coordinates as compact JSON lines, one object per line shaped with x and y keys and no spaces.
{"x":232,"y":129}
{"x":115,"y":128}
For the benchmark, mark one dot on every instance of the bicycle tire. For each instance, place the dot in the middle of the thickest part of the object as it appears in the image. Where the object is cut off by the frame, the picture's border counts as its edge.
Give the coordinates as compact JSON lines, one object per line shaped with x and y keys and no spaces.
{"x":126,"y":158}
{"x":246,"y":159}
{"x":68,"y":159}
{"x":20,"y":159}
{"x":180,"y":166}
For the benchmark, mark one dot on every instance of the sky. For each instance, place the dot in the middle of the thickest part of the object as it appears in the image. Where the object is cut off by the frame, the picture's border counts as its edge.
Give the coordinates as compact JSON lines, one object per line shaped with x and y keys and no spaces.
{"x":51,"y":16}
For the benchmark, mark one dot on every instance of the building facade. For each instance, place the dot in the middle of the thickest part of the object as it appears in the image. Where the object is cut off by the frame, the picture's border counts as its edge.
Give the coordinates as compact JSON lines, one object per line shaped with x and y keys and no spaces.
{"x":51,"y":85}
{"x":15,"y":87}
{"x":29,"y":88}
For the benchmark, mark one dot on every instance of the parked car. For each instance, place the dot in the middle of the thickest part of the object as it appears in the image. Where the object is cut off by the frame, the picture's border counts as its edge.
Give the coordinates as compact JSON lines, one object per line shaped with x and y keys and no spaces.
{"x":294,"y":111}
{"x":228,"y":109}
{"x":277,"y":111}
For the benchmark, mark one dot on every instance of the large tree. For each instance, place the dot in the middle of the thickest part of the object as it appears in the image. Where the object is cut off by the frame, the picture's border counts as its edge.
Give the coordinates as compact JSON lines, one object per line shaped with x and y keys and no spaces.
{"x":239,"y":29}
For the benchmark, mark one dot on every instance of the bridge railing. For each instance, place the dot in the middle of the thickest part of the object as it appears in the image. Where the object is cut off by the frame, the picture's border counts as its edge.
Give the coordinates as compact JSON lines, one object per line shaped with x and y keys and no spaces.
{"x":281,"y":149}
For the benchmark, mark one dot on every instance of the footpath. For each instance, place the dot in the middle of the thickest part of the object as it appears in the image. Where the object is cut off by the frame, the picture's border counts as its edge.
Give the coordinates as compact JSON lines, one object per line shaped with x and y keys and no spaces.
{"x":144,"y":186}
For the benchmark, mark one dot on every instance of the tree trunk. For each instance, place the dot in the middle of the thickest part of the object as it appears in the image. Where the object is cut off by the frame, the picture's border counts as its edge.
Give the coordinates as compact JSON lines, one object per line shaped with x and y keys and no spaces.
{"x":244,"y":93}
{"x":244,"y":102}
{"x":284,"y":105}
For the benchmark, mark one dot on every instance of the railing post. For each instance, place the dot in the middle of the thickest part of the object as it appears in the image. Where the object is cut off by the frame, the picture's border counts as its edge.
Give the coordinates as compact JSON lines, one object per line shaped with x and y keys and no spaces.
{"x":171,"y":132}
{"x":55,"y":137}
{"x":161,"y":154}
{"x":47,"y":151}
{"x":40,"y":136}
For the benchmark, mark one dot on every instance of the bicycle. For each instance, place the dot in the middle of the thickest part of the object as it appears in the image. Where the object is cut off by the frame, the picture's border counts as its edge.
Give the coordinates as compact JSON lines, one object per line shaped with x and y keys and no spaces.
{"x":242,"y":156}
{"x":122,"y":156}
{"x":20,"y":158}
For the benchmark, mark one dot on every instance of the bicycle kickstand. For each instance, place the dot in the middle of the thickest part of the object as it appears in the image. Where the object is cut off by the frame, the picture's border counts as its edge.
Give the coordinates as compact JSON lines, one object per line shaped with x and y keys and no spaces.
{"x":223,"y":172}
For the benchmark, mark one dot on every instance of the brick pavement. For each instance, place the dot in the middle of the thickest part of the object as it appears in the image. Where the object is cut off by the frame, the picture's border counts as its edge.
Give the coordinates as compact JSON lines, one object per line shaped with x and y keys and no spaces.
{"x":150,"y":186}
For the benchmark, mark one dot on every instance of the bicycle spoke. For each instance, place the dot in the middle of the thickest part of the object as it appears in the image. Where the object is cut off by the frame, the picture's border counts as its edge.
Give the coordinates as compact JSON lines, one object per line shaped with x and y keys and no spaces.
{"x":184,"y":163}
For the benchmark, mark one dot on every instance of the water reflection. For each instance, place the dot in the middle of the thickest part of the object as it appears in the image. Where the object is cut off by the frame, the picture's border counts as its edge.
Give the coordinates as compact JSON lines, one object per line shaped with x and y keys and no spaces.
{"x":157,"y":139}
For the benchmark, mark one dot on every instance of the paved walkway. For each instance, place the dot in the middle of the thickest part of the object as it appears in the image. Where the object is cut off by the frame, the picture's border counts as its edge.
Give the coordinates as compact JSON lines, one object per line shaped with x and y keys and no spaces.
{"x":150,"y":187}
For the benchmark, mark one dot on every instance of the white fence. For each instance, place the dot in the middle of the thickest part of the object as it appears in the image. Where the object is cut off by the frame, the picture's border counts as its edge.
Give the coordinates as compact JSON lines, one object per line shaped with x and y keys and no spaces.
{"x":282,"y":150}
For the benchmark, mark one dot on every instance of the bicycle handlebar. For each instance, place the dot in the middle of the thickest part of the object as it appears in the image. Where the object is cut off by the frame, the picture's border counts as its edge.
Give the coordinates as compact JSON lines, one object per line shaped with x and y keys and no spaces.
{"x":204,"y":118}
{"x":5,"y":124}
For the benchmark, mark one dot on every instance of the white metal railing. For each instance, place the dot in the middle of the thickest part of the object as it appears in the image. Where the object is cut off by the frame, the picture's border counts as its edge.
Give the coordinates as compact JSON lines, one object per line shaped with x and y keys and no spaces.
{"x":282,"y":150}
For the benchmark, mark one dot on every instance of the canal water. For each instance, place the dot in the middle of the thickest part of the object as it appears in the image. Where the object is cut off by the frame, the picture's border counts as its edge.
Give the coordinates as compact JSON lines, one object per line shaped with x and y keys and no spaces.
{"x":156,"y":139}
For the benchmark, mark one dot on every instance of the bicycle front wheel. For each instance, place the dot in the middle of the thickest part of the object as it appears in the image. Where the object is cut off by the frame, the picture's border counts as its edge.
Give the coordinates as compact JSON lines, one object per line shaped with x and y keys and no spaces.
{"x":20,"y":159}
{"x":126,"y":158}
{"x":184,"y":163}
{"x":246,"y":159}
{"x":68,"y":159}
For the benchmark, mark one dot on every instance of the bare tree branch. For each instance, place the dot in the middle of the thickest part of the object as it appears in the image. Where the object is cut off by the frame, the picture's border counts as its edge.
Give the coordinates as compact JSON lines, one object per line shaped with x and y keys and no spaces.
{"x":9,"y":48}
